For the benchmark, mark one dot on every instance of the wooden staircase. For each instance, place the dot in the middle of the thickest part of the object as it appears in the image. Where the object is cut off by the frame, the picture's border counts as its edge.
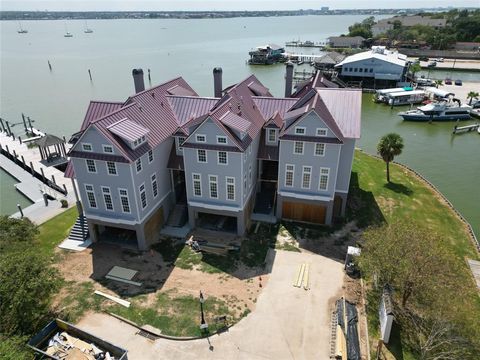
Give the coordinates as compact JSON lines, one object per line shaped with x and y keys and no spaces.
{"x":76,"y":233}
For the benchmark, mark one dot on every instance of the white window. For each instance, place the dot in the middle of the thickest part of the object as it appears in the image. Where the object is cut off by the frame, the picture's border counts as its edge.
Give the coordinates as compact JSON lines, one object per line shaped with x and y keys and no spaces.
{"x":197,"y":185}
{"x":91,"y":167}
{"x":222,"y":157}
{"x":321,"y":132}
{"x":124,"y":200}
{"x":107,"y":198}
{"x":298,"y":147}
{"x":154,"y":185}
{"x":230,"y":188}
{"x":143,"y":196}
{"x":289,"y":173}
{"x":319,"y":149}
{"x":323,"y":183}
{"x":107,"y":149}
{"x":87,"y":147}
{"x":92,"y":202}
{"x":111,"y":168}
{"x":201,"y":138}
{"x":201,"y":156}
{"x":138,"y":165}
{"x":150,"y":156}
{"x":212,"y":179}
{"x":272,"y":136}
{"x":300,"y":130}
{"x":221,"y":139}
{"x":180,"y":141}
{"x":306,"y":177}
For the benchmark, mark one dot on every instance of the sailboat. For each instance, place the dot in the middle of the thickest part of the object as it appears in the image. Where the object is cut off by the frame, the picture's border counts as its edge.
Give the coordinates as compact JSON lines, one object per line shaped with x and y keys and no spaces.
{"x":21,"y":30}
{"x":87,"y":29}
{"x":67,"y":34}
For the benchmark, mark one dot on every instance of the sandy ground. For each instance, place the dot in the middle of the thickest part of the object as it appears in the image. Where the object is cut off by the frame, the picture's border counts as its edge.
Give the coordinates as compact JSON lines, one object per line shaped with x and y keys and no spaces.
{"x":451,"y":63}
{"x":288,"y":322}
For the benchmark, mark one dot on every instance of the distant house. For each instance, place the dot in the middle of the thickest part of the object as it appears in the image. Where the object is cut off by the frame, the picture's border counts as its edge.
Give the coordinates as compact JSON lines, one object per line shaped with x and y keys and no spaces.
{"x":353,"y":42}
{"x":382,"y":26}
{"x":329,"y":60}
{"x":169,"y":157}
{"x":378,"y":67}
{"x":266,"y":54}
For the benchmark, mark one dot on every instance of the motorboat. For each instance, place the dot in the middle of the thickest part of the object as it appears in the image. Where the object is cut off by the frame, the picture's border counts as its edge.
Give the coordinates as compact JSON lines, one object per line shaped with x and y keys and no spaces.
{"x":68,"y":34}
{"x":438,"y":111}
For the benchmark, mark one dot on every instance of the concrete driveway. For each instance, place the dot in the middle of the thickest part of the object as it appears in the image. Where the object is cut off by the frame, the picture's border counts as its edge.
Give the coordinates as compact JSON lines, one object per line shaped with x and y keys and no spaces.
{"x":288,"y":322}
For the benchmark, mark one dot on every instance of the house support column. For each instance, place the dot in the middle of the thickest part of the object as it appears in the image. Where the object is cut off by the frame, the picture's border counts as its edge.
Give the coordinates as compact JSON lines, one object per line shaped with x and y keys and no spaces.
{"x":141,"y":241}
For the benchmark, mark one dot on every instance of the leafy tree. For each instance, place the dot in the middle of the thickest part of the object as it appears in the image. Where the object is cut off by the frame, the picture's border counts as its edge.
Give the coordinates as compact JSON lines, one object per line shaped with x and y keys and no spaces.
{"x":414,"y":68}
{"x":14,"y":348}
{"x":15,"y":232}
{"x":390,"y":145}
{"x":438,"y":83}
{"x":472,"y":95}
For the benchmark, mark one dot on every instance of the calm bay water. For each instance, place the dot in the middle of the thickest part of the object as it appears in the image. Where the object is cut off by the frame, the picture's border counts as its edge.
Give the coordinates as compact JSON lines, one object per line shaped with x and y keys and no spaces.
{"x":57,"y":100}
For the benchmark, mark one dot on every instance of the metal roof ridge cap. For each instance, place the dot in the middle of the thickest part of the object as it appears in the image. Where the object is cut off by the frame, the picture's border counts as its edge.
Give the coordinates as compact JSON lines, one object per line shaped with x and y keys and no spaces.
{"x":113,"y":112}
{"x":116,"y":123}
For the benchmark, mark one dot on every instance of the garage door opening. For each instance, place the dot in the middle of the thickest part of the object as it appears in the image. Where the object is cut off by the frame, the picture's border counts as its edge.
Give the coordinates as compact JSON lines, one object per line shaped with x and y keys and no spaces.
{"x":113,"y":235}
{"x":217,"y":222}
{"x":304,"y":212}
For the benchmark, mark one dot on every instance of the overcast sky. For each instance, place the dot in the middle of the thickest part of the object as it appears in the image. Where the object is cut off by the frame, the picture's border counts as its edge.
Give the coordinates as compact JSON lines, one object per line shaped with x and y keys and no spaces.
{"x":85,"y":5}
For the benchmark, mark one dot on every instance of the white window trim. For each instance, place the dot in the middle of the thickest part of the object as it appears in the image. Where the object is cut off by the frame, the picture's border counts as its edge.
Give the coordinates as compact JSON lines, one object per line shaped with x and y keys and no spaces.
{"x":193,"y":184}
{"x":209,"y":184}
{"x":111,"y":198}
{"x":107,"y":146}
{"x":317,"y":131}
{"x":148,"y":156}
{"x":226,"y":188}
{"x":136,"y":165}
{"x":128,"y":199}
{"x":315,"y":149}
{"x":200,"y":141}
{"x":94,"y":164}
{"x":268,"y":141}
{"x":293,"y":175}
{"x":178,"y":145}
{"x":294,"y":147}
{"x":93,"y":192}
{"x":320,"y":177}
{"x":91,"y":147}
{"x":108,"y":171}
{"x":303,"y":176}
{"x":140,"y":193}
{"x":153,"y":178}
{"x":221,"y":137}
{"x":218,"y":158}
{"x":198,"y":157}
{"x":300,"y":128}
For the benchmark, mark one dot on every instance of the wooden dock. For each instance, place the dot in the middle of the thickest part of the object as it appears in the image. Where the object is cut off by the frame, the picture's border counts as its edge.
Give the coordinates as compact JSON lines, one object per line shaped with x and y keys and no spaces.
{"x":466,"y":128}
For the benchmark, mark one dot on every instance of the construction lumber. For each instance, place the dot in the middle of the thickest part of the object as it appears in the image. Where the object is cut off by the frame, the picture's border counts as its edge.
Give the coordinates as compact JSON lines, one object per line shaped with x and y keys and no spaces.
{"x":299,"y":280}
{"x":306,"y":277}
{"x":113,"y":298}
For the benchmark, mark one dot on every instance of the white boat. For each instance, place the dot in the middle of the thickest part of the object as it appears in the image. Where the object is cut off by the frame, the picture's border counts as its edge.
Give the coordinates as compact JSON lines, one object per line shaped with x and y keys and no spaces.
{"x":67,"y":33}
{"x":405,"y":97}
{"x":21,"y":30}
{"x":381,"y":95}
{"x":87,"y":29}
{"x":438,"y":111}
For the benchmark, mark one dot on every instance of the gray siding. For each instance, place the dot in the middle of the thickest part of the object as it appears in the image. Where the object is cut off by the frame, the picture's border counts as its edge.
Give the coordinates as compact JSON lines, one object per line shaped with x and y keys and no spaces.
{"x":97,"y":140}
{"x":345,"y":165}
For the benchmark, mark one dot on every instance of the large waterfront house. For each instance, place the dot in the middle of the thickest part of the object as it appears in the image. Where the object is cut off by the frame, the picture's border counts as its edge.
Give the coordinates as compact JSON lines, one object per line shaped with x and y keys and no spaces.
{"x":169,"y":157}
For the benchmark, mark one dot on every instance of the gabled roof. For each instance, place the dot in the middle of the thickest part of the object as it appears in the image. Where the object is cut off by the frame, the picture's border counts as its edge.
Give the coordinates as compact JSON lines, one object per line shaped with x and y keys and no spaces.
{"x":269,"y":105}
{"x":128,"y":130}
{"x":187,"y":108}
{"x":376,"y":53}
{"x":98,"y":109}
{"x":235,"y":122}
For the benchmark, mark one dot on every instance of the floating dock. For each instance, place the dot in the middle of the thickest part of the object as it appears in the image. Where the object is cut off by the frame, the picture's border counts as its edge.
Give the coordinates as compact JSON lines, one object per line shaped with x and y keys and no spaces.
{"x":466,"y":128}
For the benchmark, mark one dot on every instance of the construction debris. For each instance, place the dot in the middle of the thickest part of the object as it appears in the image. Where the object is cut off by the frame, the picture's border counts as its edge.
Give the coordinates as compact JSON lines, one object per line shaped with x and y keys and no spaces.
{"x":124,"y":275}
{"x":303,"y":277}
{"x":113,"y":298}
{"x":65,"y":346}
{"x":347,"y":346}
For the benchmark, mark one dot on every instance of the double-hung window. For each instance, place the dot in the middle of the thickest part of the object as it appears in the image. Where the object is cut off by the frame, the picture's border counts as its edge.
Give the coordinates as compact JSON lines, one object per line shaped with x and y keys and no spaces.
{"x":319,"y":149}
{"x":143,"y":196}
{"x":92,"y":201}
{"x":91,"y":167}
{"x":306,"y":177}
{"x":230,"y":188}
{"x":321,"y":132}
{"x":150,"y":156}
{"x":197,"y":185}
{"x":201,"y":138}
{"x":124,"y":200}
{"x":138,"y":165}
{"x":202,"y":156}
{"x":86,"y":147}
{"x":272,"y":135}
{"x":154,"y":185}
{"x":289,"y":175}
{"x":298,"y":148}
{"x":107,"y":198}
{"x":213,"y":184}
{"x":222,"y":158}
{"x":221,"y":139}
{"x":107,"y":149}
{"x":111,"y":168}
{"x":324,"y":174}
{"x":299,"y":131}
{"x":180,"y":141}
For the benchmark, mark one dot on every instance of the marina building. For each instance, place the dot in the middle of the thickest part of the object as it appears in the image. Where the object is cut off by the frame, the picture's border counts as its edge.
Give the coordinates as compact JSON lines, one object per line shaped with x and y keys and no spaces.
{"x":167,"y":157}
{"x":377,"y":68}
{"x":353,"y":42}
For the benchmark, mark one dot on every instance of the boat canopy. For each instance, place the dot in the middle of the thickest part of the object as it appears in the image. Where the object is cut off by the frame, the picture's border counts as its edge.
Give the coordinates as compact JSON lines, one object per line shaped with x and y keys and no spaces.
{"x":406,"y":93}
{"x":388,"y":91}
{"x":439,"y":92}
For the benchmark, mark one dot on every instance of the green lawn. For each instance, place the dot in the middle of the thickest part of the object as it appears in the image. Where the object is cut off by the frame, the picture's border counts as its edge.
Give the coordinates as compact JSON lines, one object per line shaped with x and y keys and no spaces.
{"x":373,"y":201}
{"x":56,"y":230}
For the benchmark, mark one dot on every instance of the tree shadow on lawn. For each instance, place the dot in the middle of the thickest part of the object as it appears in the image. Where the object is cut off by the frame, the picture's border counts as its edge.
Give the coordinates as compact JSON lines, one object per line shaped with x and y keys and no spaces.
{"x":399,"y":188}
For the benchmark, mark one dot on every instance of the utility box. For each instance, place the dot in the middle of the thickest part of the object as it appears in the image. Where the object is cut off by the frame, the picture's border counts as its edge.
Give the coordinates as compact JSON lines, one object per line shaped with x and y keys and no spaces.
{"x":385,"y":313}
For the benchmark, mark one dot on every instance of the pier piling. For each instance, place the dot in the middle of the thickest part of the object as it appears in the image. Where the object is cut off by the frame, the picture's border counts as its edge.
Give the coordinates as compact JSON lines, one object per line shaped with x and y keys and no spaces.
{"x":53,"y":179}
{"x":31,"y":167}
{"x":65,"y":188}
{"x":23,"y":160}
{"x":20,"y":210}
{"x":24,"y":123}
{"x":43,"y":175}
{"x":49,"y":65}
{"x":3,"y":126}
{"x":8,"y":127}
{"x":30,"y":124}
{"x":20,"y":139}
{"x":90,"y":74}
{"x":149,"y":78}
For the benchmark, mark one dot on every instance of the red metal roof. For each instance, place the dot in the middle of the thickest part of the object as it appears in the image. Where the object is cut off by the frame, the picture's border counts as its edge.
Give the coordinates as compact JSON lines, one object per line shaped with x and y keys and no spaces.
{"x":98,"y":109}
{"x":269,"y":105}
{"x":128,"y":130}
{"x":235,"y":122}
{"x":187,"y":108}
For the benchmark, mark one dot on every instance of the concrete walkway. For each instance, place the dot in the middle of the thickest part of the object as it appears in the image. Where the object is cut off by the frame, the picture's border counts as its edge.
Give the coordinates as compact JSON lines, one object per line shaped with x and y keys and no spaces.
{"x":288,"y":322}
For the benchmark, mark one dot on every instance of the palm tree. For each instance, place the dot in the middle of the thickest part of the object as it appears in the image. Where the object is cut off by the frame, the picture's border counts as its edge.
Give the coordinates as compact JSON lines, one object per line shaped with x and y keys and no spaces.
{"x":390,"y":145}
{"x":472,"y":95}
{"x":414,"y":68}
{"x":438,"y":83}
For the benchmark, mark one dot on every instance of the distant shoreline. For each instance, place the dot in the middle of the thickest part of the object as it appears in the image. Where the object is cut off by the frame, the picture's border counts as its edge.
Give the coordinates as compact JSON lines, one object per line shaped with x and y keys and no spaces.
{"x":107,"y":15}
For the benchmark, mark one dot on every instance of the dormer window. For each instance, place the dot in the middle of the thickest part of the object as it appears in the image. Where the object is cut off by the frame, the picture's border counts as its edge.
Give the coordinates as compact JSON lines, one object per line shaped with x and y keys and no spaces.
{"x":179,"y":143}
{"x":129,"y":131}
{"x":300,"y":130}
{"x":271,"y":136}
